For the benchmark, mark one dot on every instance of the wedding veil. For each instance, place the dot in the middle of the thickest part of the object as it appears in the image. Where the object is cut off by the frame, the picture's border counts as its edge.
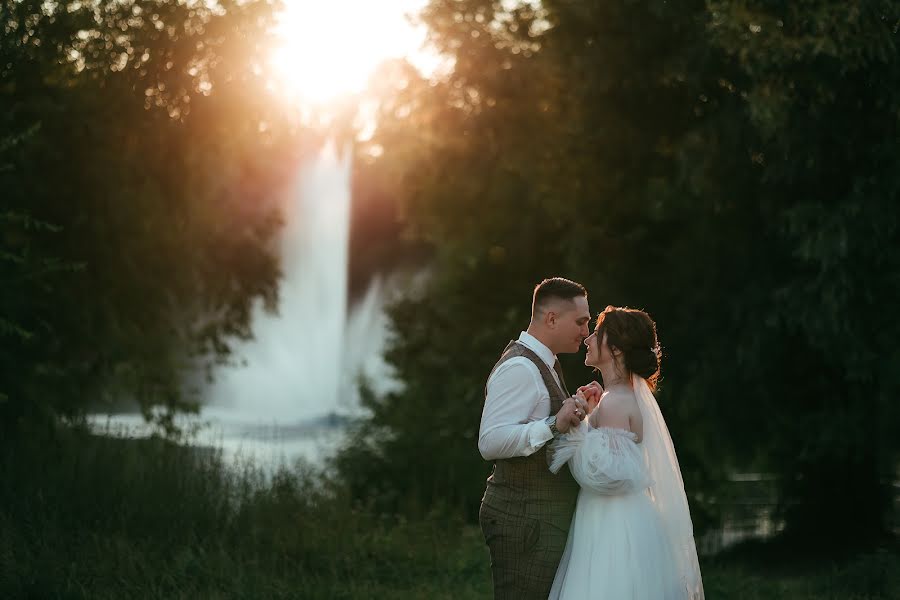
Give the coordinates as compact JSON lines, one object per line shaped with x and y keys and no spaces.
{"x":667,"y":489}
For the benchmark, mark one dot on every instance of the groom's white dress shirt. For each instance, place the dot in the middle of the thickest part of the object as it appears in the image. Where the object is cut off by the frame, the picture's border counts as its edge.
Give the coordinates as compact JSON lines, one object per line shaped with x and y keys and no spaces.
{"x":516,"y":405}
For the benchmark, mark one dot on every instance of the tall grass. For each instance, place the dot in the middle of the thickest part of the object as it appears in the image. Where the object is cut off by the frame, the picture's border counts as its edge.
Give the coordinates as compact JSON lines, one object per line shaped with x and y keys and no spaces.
{"x":83,"y":516}
{"x":88,"y":516}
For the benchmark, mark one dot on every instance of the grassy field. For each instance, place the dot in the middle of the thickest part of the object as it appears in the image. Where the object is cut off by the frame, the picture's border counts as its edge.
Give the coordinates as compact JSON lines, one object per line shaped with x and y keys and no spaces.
{"x":88,"y":517}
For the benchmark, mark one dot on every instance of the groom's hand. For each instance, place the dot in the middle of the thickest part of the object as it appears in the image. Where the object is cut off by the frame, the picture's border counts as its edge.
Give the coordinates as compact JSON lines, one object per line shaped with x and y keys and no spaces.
{"x":570,"y":415}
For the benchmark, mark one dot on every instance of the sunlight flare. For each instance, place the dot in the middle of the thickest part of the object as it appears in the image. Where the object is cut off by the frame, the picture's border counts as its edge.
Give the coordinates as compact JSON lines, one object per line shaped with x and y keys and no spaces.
{"x":326,"y":50}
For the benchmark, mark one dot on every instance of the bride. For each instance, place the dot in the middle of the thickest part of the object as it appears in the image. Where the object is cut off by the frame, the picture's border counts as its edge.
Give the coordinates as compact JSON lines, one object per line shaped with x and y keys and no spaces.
{"x":631,"y":536}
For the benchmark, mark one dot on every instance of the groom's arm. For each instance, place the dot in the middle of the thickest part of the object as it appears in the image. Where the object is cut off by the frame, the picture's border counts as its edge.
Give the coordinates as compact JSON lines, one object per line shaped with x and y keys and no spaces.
{"x":514,"y":392}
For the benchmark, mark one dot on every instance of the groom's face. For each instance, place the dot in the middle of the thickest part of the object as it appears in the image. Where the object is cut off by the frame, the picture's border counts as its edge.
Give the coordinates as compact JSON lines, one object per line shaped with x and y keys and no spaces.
{"x":572,"y":325}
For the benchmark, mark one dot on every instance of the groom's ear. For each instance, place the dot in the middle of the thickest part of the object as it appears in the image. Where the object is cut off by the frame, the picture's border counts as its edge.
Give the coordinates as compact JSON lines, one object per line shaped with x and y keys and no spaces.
{"x":550,"y":319}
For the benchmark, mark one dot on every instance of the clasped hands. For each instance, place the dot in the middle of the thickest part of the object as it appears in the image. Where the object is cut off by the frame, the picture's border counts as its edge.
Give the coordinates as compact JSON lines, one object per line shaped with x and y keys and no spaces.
{"x":577,"y":407}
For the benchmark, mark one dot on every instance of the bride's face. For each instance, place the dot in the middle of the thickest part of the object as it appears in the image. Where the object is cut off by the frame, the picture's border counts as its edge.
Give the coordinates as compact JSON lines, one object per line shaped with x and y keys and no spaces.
{"x":592,"y":357}
{"x":598,"y":351}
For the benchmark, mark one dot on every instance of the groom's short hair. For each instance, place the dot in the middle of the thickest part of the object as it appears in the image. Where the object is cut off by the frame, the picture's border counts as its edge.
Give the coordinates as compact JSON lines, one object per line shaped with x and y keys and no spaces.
{"x":555,"y":288}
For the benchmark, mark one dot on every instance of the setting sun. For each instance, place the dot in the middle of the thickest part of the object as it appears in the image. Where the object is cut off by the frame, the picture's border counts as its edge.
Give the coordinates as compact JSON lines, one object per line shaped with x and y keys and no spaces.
{"x":328,"y":49}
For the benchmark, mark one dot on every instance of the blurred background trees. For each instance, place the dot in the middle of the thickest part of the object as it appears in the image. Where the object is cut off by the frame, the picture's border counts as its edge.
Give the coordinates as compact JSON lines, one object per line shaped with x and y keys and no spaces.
{"x":142,"y":163}
{"x":731,"y":167}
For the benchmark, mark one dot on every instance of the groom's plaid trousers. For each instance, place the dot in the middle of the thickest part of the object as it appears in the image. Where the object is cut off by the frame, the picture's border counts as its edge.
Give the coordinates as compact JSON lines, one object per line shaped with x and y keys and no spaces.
{"x":526,"y":509}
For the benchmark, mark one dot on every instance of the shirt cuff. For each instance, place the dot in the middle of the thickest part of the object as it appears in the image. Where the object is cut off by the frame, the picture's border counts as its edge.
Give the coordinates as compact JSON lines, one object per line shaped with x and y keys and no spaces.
{"x":538,"y":434}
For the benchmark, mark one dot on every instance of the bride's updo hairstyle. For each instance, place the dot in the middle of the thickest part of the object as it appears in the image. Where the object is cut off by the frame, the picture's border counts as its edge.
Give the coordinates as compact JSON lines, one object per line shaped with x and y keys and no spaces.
{"x":633,"y":333}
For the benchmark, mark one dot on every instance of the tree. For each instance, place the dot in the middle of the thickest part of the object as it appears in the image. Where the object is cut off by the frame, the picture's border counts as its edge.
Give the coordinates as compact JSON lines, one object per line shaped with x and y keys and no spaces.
{"x":820,"y":86}
{"x":161,"y":159}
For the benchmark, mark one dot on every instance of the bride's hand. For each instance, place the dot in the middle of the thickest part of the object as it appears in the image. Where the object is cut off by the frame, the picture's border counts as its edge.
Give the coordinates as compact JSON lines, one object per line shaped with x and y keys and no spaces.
{"x":592,"y":393}
{"x":594,"y":385}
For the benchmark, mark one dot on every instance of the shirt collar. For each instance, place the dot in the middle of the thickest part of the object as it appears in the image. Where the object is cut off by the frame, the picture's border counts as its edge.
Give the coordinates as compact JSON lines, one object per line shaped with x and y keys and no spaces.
{"x":536,"y":346}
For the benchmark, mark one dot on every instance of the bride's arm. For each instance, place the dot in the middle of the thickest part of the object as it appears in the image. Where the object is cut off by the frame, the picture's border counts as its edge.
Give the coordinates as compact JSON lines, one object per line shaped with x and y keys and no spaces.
{"x":609,"y":462}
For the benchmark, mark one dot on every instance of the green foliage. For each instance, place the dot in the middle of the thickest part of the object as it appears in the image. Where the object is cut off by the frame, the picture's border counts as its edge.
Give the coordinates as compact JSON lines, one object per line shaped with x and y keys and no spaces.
{"x":28,"y":273}
{"x":821,"y":95}
{"x":158,"y":157}
{"x":728,"y":166}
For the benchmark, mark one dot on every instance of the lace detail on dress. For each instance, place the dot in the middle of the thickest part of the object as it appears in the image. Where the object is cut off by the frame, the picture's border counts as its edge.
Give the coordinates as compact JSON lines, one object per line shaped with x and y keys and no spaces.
{"x":605,"y":460}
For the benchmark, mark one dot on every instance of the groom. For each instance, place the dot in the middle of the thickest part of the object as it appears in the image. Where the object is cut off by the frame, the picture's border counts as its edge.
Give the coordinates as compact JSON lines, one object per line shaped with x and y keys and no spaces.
{"x":526,"y":509}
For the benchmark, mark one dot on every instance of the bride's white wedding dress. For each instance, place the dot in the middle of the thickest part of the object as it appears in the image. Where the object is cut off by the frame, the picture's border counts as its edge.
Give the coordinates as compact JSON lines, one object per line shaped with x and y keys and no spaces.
{"x":631,"y":536}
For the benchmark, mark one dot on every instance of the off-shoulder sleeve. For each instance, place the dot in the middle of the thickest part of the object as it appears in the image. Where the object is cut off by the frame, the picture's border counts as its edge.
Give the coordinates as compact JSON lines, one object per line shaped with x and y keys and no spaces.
{"x":604,"y":460}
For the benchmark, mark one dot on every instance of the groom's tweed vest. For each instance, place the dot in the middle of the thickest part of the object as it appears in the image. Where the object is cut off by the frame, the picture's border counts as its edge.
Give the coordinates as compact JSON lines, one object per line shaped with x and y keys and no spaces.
{"x":526,"y":509}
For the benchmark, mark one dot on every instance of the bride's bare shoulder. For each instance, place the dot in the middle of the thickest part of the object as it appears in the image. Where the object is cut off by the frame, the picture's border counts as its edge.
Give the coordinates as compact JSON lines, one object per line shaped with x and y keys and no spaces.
{"x":613,"y":410}
{"x":618,"y":399}
{"x":618,"y":408}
